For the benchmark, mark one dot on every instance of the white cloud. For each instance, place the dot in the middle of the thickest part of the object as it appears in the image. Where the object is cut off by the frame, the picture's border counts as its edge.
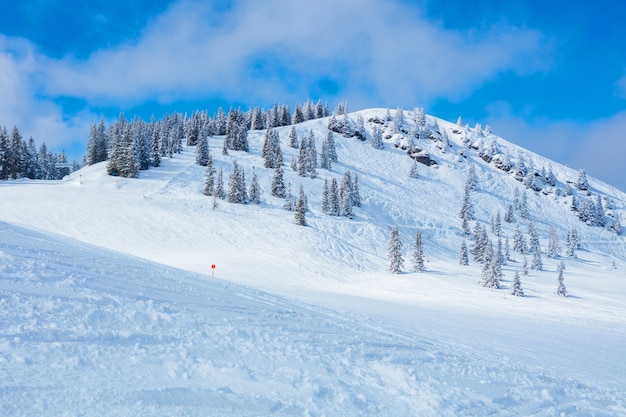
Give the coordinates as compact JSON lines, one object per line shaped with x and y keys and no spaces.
{"x":21,"y":106}
{"x":377,"y":51}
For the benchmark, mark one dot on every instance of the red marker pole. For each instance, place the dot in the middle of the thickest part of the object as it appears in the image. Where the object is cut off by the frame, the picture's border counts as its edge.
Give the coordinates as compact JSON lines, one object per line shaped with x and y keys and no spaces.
{"x":212,"y":270}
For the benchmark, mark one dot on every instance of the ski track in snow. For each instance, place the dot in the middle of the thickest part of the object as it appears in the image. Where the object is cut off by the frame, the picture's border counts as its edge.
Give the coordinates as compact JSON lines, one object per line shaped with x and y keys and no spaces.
{"x":107,"y":308}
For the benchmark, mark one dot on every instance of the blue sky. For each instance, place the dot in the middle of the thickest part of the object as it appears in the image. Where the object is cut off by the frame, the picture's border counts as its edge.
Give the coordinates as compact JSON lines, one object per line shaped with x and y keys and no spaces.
{"x":549,"y":76}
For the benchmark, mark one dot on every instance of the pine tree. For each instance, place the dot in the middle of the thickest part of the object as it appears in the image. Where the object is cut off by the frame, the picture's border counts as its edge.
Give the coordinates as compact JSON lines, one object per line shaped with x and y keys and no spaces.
{"x":278,"y":184}
{"x":496,"y":225}
{"x":472,"y":180}
{"x":302,"y":158}
{"x":210,"y":178}
{"x":293,"y":138}
{"x":311,"y":156}
{"x":289,"y":203}
{"x":394,"y":248}
{"x":254,"y":192}
{"x":467,"y":209}
{"x":300,"y":210}
{"x":377,"y":138}
{"x":516,"y":288}
{"x":418,"y":253}
{"x":355,"y":194}
{"x":202,"y":150}
{"x":294,"y":164}
{"x":572,"y":243}
{"x":525,"y":266}
{"x":326,"y":198}
{"x":554,"y":246}
{"x":537,"y":263}
{"x":463,"y":257}
{"x":523,"y":208}
{"x":268,"y":150}
{"x":581,"y":182}
{"x":508,"y":217}
{"x":234,"y":185}
{"x":334,"y":198}
{"x":155,"y":147}
{"x":330,"y":145}
{"x":345,"y":196}
{"x":491,"y":268}
{"x":561,"y":290}
{"x":599,"y":219}
{"x":219,"y":186}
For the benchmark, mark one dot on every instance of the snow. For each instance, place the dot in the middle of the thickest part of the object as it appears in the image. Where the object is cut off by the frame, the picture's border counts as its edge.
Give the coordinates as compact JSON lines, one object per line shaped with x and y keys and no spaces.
{"x":107,"y":305}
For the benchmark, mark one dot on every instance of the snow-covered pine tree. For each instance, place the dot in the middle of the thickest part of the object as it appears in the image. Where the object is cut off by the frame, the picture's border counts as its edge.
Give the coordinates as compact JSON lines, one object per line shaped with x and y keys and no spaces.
{"x":293,"y":138}
{"x":472,"y":179}
{"x":311,"y":156}
{"x":294,"y":164}
{"x":325,"y":162}
{"x":345,"y":200}
{"x":297,"y":115}
{"x":254,"y":192}
{"x":326,"y":198}
{"x":533,"y":238}
{"x":377,"y":138}
{"x":480,"y":243}
{"x":496,"y":225}
{"x":278,"y":153}
{"x":331,"y":148}
{"x":561,"y":290}
{"x":554,"y":247}
{"x":490,"y":269}
{"x":268,"y":150}
{"x":523,"y":207}
{"x":465,"y":227}
{"x":525,"y":266}
{"x":463,"y":256}
{"x":537,"y":263}
{"x":418,"y":253}
{"x":516,"y":288}
{"x":234,"y":185}
{"x":334,"y":198}
{"x":394,"y":250}
{"x":219,"y":186}
{"x":289,"y":203}
{"x":398,"y":118}
{"x":278,"y":184}
{"x":155,"y":147}
{"x":210,"y":177}
{"x":355,"y":194}
{"x":467,"y":209}
{"x":257,"y":121}
{"x":508,"y":217}
{"x":581,"y":182}
{"x":202,"y":149}
{"x":302,"y":158}
{"x":599,"y":218}
{"x":300,"y":209}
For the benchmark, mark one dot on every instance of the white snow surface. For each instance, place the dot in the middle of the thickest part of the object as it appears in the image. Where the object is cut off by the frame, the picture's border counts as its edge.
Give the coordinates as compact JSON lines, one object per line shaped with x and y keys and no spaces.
{"x":108,"y":307}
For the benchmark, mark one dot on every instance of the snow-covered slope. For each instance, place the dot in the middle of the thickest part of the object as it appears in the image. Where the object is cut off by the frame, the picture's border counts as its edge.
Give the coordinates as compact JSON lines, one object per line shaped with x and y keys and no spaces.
{"x":94,"y":331}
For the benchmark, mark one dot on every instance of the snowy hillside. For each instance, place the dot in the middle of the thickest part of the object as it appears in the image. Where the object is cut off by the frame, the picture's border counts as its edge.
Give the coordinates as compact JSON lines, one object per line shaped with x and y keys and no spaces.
{"x":109,"y":308}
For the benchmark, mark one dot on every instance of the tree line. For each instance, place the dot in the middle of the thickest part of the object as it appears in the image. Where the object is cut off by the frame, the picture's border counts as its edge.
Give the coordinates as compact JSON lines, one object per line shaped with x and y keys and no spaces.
{"x":20,"y":158}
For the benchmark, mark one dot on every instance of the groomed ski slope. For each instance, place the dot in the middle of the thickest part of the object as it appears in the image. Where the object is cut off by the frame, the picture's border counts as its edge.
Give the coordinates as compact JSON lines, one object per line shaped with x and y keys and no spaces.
{"x":108,"y":307}
{"x":87,"y":331}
